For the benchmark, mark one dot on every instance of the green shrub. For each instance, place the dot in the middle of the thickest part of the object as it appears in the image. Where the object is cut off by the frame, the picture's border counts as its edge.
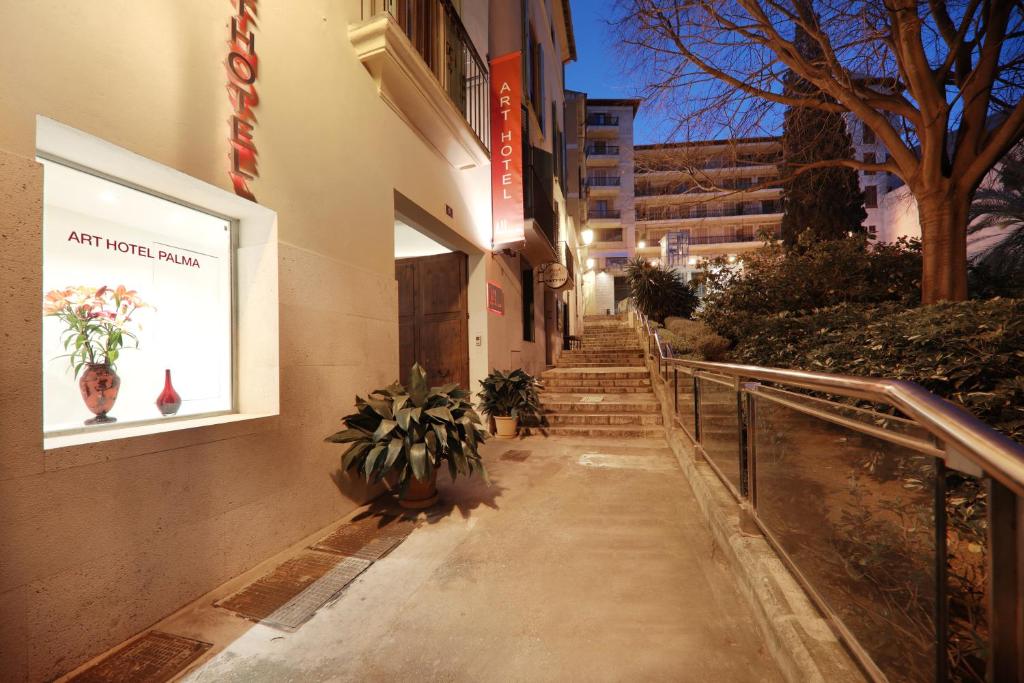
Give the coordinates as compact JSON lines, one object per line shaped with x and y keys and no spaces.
{"x":822,"y":274}
{"x":692,"y":338}
{"x":971,"y":352}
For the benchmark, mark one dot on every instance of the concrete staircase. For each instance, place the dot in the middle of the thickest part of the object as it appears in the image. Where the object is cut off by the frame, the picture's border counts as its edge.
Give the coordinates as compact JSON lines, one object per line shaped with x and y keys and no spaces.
{"x":602,"y":389}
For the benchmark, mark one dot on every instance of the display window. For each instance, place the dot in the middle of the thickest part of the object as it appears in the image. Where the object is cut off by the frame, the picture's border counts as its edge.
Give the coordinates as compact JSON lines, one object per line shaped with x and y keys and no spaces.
{"x":137,"y":305}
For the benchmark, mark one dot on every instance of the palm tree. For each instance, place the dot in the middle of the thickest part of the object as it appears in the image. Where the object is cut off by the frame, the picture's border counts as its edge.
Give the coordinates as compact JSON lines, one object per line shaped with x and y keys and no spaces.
{"x":659,"y":292}
{"x":1000,"y":270}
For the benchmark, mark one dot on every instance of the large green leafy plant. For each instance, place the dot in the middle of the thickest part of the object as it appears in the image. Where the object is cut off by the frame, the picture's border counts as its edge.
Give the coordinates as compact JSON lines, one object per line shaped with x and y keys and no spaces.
{"x":659,"y":292}
{"x":511,"y":394}
{"x":412,"y":431}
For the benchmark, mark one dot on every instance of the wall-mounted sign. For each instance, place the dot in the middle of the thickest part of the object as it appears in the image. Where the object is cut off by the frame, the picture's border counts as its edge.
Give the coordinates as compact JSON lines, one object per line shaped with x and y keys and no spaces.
{"x":507,"y":150}
{"x":495,"y":299}
{"x":242,"y":66}
{"x":553,"y":275}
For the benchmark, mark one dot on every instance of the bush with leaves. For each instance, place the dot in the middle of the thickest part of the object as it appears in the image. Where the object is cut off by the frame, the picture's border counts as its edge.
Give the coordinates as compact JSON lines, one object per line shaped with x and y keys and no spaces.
{"x":971,"y":352}
{"x":412,"y":431}
{"x":511,"y":394}
{"x":693,"y":339}
{"x":774,"y":279}
{"x":659,"y":292}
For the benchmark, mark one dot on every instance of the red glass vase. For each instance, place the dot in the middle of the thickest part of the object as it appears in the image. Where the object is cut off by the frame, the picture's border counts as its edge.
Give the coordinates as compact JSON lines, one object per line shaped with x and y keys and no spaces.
{"x":168,"y":401}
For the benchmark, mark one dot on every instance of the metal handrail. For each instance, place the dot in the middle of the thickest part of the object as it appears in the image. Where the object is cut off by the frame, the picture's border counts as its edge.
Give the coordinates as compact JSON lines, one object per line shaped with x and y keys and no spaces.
{"x":955,"y":437}
{"x":995,"y":453}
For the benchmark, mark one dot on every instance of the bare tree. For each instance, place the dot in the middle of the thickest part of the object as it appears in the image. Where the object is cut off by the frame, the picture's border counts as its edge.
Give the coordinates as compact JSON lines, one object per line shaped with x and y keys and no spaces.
{"x":938,"y":81}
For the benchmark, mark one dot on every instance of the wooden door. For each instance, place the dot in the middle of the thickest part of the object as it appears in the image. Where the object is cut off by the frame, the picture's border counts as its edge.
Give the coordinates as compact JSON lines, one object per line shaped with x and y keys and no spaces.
{"x":433,"y":317}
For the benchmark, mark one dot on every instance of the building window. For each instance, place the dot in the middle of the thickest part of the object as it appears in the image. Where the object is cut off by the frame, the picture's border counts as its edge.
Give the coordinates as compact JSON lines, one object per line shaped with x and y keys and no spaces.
{"x":871,"y":197}
{"x":869,"y":158}
{"x":528,"y":333}
{"x":873,"y":231}
{"x":867,"y":135}
{"x":135,"y":285}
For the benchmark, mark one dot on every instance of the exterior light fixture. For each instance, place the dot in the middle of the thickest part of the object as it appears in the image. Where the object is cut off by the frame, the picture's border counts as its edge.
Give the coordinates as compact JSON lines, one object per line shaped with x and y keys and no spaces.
{"x":732,"y":258}
{"x":693,"y":260}
{"x":641,"y":245}
{"x":590,"y":264}
{"x":587,"y":236}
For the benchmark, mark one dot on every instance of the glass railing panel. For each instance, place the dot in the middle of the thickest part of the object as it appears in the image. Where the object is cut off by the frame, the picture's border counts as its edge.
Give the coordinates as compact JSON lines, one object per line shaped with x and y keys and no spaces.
{"x":684,"y":397}
{"x":849,"y":411}
{"x":719,"y":426}
{"x":855,"y":516}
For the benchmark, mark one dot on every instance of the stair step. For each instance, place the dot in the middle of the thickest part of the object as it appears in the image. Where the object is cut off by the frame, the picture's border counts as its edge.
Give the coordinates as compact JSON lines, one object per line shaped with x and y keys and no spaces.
{"x":592,"y":390}
{"x":610,"y":419}
{"x":612,"y":372}
{"x":607,"y":431}
{"x":584,"y":381}
{"x":563,"y":406}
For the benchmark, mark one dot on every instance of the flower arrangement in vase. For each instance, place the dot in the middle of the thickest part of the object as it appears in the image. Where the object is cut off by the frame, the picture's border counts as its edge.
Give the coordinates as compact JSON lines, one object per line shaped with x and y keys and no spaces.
{"x":98,"y":324}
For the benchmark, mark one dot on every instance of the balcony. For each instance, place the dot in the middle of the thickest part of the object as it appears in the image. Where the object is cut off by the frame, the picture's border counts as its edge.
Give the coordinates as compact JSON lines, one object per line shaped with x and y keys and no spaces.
{"x":427,"y":69}
{"x":539,"y":207}
{"x":604,"y":182}
{"x":602,"y":151}
{"x":701,"y":211}
{"x":604,"y":214}
{"x":602,"y":120}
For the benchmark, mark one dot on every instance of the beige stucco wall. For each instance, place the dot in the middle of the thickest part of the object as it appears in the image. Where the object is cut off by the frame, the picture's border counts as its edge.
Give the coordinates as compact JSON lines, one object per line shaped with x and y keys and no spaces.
{"x":98,"y":542}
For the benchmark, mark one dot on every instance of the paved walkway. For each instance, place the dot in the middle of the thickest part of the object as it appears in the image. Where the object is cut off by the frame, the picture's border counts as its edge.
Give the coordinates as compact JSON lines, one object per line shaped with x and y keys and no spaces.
{"x":586,"y":561}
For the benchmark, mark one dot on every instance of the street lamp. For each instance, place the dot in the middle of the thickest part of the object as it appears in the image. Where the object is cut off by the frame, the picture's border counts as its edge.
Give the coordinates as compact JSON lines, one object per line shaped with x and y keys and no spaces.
{"x":590,"y":264}
{"x":588,"y":236}
{"x":641,"y":244}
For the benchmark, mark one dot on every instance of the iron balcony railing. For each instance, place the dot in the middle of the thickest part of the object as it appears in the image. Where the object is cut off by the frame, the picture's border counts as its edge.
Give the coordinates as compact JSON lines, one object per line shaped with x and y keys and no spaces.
{"x":602,"y":150}
{"x":602,"y":120}
{"x":537,"y":200}
{"x":738,"y":236}
{"x":669,"y":213}
{"x":604,"y":182}
{"x":607,"y":236}
{"x":604,"y":213}
{"x":436,"y":31}
{"x":616,"y":262}
{"x":901,"y":514}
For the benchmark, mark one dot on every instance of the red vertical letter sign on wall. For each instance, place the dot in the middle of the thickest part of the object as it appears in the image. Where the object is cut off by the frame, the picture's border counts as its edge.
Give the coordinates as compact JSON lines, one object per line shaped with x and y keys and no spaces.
{"x":242,"y":69}
{"x":507,"y":149}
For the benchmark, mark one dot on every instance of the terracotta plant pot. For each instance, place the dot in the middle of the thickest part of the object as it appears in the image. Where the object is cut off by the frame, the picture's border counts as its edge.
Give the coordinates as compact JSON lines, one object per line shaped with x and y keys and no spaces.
{"x":420,"y":494}
{"x":99,"y":385}
{"x":505,"y":427}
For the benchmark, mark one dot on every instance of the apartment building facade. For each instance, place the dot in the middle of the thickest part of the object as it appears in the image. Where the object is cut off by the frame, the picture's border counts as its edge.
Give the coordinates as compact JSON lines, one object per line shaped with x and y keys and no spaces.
{"x":875,"y":185}
{"x":304,"y":204}
{"x":696,"y":201}
{"x":610,"y":226}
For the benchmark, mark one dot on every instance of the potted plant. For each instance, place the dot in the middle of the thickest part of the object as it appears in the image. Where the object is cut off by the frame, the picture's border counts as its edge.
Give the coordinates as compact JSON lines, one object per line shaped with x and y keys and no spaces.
{"x":98,"y":323}
{"x":408,"y":433}
{"x":509,"y":398}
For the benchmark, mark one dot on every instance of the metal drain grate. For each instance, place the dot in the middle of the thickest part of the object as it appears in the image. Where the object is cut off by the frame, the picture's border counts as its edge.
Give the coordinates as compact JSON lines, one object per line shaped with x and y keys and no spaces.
{"x":370,"y":538}
{"x":515,"y":456}
{"x":288,"y":596}
{"x":156,"y":657}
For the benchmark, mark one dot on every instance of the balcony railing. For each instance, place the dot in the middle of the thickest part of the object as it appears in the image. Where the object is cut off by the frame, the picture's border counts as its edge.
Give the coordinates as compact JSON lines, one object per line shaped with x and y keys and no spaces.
{"x":894,"y":508}
{"x":643,"y":190}
{"x":437,"y":33}
{"x":607,"y":235}
{"x":537,"y":200}
{"x":604,"y":182}
{"x":738,"y":236}
{"x":616,"y":262}
{"x":604,"y":213}
{"x":600,"y":120}
{"x":668,"y":213}
{"x":602,"y":150}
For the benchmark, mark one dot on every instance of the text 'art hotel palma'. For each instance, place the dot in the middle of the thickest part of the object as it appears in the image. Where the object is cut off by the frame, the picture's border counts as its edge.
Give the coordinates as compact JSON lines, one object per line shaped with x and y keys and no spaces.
{"x":294,"y":200}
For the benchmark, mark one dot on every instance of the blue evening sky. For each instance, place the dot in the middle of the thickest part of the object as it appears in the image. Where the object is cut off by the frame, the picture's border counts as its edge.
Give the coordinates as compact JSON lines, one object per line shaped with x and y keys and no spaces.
{"x":599,"y":71}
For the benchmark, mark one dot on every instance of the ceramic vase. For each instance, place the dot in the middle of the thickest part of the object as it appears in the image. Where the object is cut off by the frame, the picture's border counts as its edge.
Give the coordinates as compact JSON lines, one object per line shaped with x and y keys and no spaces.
{"x":99,"y":385}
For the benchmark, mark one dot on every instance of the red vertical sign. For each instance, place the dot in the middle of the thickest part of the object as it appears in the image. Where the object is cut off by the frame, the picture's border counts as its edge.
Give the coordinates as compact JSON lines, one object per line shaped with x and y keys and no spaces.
{"x":507,"y":149}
